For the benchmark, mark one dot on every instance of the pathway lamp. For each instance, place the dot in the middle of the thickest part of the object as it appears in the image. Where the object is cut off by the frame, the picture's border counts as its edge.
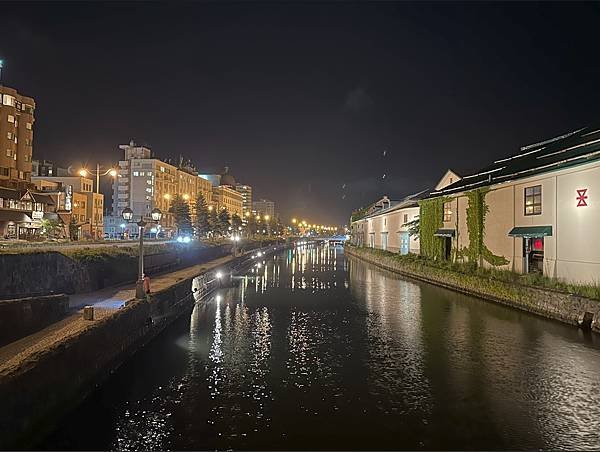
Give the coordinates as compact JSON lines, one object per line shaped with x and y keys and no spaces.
{"x":155,"y":217}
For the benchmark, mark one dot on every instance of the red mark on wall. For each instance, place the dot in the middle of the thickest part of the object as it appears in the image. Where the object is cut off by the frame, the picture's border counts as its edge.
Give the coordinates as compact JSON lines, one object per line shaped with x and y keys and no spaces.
{"x":582,"y":197}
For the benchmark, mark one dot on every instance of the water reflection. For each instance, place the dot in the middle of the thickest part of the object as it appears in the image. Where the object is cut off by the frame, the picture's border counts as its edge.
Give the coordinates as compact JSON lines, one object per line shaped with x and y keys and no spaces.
{"x":310,"y":350}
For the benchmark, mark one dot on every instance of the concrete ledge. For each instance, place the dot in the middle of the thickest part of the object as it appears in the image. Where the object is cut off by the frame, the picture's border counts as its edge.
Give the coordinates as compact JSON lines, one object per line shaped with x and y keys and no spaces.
{"x":554,"y":305}
{"x":23,"y":316}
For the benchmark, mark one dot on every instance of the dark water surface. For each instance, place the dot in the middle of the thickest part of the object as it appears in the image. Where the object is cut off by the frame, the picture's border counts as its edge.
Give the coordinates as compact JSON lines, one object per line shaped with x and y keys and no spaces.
{"x":317,"y":351}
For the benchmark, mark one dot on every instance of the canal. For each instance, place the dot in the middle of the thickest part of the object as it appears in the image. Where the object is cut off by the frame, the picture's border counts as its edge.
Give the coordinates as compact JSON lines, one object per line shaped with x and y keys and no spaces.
{"x":310,"y":349}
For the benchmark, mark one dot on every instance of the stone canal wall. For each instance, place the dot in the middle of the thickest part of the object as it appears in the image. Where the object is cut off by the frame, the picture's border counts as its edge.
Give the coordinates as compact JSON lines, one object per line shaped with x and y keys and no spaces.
{"x":567,"y":308}
{"x":86,"y":270}
{"x":51,"y":380}
{"x":23,"y":316}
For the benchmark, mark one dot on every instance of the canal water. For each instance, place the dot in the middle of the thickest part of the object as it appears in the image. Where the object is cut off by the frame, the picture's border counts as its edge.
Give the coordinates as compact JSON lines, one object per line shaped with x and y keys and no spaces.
{"x":311,"y":349}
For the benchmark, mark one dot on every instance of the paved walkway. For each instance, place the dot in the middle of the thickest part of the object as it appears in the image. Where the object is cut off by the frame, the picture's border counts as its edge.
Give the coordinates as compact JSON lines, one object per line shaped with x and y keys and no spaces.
{"x":106,"y":301}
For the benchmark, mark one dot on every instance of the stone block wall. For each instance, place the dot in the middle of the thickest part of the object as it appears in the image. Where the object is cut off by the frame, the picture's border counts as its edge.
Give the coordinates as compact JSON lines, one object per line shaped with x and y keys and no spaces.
{"x":23,"y":316}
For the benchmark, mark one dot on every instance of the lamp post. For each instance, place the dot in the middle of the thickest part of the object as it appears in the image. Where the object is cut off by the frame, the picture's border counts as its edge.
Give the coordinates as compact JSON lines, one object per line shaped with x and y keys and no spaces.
{"x":83,"y":172}
{"x":155,"y":216}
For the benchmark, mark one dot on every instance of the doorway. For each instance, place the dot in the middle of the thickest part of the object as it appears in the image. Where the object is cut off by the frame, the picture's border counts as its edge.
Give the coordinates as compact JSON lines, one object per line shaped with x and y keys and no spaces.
{"x":404,"y":243}
{"x":533,"y":254}
{"x":447,"y":248}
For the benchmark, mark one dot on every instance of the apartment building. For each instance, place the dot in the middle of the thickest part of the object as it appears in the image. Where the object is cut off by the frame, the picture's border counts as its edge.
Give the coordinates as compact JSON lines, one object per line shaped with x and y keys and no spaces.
{"x":264,"y":207}
{"x":16,"y":138}
{"x":246,"y":192}
{"x":145,"y":182}
{"x":226,"y":197}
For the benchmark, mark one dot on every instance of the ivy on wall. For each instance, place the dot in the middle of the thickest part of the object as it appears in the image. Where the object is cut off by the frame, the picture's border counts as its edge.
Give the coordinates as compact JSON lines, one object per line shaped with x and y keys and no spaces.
{"x":431,"y":216}
{"x":477,"y":251}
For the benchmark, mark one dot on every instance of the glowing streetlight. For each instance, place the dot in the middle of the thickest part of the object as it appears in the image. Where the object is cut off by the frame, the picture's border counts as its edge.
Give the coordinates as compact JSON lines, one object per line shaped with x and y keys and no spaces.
{"x":186,"y":196}
{"x":294,"y":221}
{"x":127,"y":215}
{"x":83,"y":172}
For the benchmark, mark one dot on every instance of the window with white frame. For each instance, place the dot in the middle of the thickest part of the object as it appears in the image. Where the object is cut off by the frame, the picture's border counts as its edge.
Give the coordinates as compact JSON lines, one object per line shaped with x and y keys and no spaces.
{"x":533,"y":200}
{"x":447,"y":212}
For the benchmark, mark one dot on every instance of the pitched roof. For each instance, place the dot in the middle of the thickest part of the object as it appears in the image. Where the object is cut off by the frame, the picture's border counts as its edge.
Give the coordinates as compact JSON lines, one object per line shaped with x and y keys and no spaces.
{"x":408,"y":201}
{"x":573,"y":148}
{"x":9,"y":193}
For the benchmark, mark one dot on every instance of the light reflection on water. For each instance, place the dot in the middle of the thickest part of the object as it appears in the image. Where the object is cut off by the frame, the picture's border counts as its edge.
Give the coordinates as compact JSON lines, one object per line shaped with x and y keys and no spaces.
{"x":316,"y":351}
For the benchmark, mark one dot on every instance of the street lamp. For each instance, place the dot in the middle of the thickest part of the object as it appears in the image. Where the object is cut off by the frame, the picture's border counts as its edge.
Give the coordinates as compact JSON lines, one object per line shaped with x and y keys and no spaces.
{"x":84,"y":172}
{"x":155,"y":217}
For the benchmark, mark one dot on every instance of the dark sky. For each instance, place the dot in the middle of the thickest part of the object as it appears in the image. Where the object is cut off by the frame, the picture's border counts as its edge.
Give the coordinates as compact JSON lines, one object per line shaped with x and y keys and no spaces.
{"x":302,"y":98}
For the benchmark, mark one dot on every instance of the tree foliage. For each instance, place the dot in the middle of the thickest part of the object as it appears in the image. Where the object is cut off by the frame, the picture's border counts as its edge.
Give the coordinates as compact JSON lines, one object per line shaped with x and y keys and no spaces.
{"x":181,"y":213}
{"x":236,"y":222}
{"x":223,"y":222}
{"x":202,"y":217}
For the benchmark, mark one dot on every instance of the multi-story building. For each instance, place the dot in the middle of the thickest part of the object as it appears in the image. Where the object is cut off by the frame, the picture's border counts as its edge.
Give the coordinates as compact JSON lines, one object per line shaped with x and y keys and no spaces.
{"x":47,"y":168}
{"x":225,"y":197}
{"x":86,"y":206}
{"x":246,"y":191}
{"x":16,"y":138}
{"x":264,"y":207}
{"x":145,"y":183}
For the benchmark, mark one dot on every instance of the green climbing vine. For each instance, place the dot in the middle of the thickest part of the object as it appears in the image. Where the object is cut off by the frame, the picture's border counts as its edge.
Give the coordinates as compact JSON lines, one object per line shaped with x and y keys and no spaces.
{"x":476,"y":213}
{"x":431,"y":216}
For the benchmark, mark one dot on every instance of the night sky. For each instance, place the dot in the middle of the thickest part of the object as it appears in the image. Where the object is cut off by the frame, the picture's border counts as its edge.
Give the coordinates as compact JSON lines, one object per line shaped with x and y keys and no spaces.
{"x":310,"y":103}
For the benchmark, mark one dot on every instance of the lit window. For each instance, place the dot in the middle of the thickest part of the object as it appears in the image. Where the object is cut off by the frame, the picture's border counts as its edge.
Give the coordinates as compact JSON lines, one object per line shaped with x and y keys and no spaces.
{"x":8,"y":153}
{"x":136,"y":173}
{"x":9,"y":100}
{"x":28,"y":126}
{"x":447,"y":212}
{"x":9,"y":135}
{"x":533,"y":200}
{"x":11,"y":118}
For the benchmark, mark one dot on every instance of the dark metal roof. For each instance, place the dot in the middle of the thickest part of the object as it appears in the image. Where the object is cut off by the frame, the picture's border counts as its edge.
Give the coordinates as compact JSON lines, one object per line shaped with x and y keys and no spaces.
{"x":573,"y":148}
{"x":42,"y":198}
{"x":14,"y":215}
{"x":409,"y":201}
{"x":9,"y":193}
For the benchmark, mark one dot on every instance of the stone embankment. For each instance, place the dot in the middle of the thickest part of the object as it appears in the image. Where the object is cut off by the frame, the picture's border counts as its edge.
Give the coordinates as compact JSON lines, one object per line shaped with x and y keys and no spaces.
{"x":49,"y":375}
{"x":23,"y":316}
{"x":567,"y":308}
{"x":88,"y":269}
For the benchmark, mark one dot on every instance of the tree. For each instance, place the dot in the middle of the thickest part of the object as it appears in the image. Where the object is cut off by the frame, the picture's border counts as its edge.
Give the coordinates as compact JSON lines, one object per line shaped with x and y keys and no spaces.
{"x":202,"y":217}
{"x":413,"y":227}
{"x":251,"y":225}
{"x":73,"y":229}
{"x":236,"y":222}
{"x":213,"y":221}
{"x":50,"y":227}
{"x":181,"y":212}
{"x":223,"y":222}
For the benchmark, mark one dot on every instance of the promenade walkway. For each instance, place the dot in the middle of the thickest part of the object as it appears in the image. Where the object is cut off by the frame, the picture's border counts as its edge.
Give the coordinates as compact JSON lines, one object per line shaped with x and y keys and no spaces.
{"x":106,"y":302}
